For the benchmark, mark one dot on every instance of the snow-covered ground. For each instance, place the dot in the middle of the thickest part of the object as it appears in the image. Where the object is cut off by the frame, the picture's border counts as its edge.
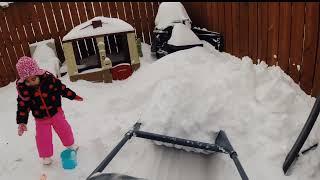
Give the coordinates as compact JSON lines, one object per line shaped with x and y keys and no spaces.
{"x":188,"y":94}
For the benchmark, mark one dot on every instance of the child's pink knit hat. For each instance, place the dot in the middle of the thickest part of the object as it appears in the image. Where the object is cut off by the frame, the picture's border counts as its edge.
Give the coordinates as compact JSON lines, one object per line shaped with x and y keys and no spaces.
{"x":26,"y":67}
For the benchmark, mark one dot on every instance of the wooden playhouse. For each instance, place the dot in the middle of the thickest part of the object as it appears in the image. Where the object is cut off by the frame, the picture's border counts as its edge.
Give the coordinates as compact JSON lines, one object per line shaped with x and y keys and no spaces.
{"x":115,"y":45}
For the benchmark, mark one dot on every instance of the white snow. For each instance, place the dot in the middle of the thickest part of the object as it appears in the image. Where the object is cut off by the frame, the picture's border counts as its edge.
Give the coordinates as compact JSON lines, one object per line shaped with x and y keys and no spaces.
{"x":91,"y":70}
{"x":5,"y":4}
{"x":182,"y":36}
{"x":189,"y":94}
{"x":64,"y":67}
{"x":127,"y":64}
{"x":46,"y":57}
{"x":170,"y":13}
{"x":109,"y":26}
{"x":42,"y":42}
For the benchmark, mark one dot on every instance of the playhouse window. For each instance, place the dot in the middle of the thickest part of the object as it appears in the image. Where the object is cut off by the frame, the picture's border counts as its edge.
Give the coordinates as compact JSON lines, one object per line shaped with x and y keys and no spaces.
{"x":86,"y":54}
{"x":117,"y":48}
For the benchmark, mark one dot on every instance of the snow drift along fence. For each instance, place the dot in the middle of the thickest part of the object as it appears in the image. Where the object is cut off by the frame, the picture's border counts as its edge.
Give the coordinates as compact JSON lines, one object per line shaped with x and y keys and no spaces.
{"x":284,"y":34}
{"x":23,"y":23}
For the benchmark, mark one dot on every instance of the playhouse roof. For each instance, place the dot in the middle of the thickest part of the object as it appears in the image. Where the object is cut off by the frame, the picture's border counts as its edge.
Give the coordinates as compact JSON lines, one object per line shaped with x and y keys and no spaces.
{"x":109,"y":26}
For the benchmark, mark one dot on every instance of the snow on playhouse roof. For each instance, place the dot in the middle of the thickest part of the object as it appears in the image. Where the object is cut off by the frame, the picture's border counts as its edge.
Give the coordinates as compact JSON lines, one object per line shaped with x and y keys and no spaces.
{"x":169,"y":13}
{"x":109,"y":26}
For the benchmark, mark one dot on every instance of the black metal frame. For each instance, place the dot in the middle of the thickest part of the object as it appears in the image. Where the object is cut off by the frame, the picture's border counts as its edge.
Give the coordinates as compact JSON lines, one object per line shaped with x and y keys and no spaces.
{"x":294,"y":151}
{"x":222,"y":145}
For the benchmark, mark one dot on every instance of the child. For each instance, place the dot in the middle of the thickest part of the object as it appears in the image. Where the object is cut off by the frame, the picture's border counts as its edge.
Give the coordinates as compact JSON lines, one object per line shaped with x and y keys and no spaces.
{"x":40,"y":92}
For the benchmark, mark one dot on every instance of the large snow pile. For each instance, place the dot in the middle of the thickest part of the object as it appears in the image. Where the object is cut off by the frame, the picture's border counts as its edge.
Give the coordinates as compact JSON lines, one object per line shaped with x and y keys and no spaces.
{"x":109,"y":26}
{"x":170,"y":13}
{"x":46,"y":58}
{"x":183,"y":36}
{"x":189,"y":94}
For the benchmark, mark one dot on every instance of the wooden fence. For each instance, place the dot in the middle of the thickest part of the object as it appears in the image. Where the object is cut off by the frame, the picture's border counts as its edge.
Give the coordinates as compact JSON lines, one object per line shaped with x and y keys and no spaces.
{"x":284,"y":34}
{"x":23,"y":23}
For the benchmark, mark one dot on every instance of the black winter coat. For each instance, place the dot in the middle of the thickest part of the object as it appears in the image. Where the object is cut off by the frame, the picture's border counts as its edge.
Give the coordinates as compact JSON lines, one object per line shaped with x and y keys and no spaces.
{"x":43,"y":100}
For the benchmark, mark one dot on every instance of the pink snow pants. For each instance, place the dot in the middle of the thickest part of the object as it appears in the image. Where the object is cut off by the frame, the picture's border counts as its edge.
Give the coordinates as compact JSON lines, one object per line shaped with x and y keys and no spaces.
{"x":44,"y":133}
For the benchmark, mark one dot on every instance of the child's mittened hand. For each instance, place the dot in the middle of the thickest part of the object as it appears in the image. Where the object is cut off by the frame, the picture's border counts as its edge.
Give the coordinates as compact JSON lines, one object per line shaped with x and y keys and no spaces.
{"x":21,"y":129}
{"x":78,"y":98}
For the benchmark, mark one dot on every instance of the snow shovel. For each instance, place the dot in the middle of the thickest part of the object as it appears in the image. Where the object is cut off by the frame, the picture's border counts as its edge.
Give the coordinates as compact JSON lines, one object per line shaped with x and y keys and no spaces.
{"x":222,"y":145}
